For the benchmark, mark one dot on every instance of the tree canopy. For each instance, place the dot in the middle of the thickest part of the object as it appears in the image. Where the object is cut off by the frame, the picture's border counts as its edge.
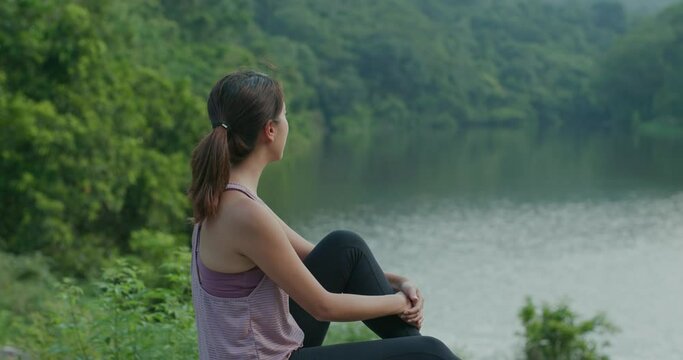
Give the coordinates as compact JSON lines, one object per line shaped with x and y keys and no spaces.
{"x":102,"y":102}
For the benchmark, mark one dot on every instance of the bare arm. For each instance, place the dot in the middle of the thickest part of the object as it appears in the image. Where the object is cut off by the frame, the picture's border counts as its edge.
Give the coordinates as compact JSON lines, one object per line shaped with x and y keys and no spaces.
{"x":303,"y":247}
{"x":269,"y":247}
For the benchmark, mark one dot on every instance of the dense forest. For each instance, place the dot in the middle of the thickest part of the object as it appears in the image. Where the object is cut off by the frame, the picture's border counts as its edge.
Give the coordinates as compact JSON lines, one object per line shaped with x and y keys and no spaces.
{"x":101,"y":102}
{"x":636,"y":7}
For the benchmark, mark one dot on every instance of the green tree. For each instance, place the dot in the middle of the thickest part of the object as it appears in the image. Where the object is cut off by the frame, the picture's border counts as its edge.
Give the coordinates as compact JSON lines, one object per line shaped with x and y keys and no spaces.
{"x":641,"y":78}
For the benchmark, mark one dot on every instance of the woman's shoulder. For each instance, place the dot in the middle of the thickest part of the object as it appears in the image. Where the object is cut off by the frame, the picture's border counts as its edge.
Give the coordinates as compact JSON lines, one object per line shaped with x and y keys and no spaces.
{"x":244,"y":216}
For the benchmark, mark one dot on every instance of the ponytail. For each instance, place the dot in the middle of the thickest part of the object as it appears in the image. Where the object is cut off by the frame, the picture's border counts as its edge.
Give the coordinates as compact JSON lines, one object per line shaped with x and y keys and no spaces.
{"x":210,"y":173}
{"x":239,"y":105}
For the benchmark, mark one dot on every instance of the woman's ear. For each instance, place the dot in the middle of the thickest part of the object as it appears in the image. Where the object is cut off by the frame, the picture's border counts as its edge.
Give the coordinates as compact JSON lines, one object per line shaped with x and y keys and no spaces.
{"x":270,"y":131}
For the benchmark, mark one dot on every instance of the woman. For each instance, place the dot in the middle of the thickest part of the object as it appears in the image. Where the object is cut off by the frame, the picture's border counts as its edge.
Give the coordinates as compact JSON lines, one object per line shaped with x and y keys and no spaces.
{"x":261,"y":291}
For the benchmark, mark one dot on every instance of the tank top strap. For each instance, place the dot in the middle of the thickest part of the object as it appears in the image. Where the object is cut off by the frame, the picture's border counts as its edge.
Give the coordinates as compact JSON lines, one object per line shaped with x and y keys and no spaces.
{"x":243,"y":190}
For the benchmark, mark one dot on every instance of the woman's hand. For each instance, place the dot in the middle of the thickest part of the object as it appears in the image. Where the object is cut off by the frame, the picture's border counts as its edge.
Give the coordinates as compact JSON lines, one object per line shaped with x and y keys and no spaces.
{"x":413,"y":316}
{"x":407,"y":304}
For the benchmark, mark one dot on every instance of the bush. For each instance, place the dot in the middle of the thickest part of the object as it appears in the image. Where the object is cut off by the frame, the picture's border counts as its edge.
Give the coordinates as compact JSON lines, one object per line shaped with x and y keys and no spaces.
{"x":123,"y":319}
{"x":555,"y":333}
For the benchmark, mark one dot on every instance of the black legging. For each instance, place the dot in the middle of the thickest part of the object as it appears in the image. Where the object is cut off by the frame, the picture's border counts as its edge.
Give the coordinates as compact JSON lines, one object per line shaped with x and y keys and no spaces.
{"x":343,"y":263}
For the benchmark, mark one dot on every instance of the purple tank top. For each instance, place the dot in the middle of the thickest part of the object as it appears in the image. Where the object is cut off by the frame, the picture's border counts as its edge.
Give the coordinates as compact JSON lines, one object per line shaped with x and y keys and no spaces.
{"x":224,"y":284}
{"x":255,"y":326}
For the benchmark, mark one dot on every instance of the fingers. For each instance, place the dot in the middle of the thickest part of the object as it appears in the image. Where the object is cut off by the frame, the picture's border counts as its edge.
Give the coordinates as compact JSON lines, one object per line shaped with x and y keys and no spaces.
{"x":410,"y":290}
{"x":413,"y":317}
{"x":416,"y":307}
{"x":412,"y":294}
{"x":416,"y":321}
{"x":412,"y":311}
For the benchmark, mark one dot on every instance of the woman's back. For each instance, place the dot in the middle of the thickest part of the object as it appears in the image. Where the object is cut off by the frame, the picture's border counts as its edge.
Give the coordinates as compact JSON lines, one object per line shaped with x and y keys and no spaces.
{"x":219,"y":248}
{"x":256,"y":326}
{"x":229,"y":274}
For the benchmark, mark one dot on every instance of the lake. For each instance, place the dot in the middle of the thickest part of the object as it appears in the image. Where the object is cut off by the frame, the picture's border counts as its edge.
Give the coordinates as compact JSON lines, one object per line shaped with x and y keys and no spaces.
{"x":482,"y":218}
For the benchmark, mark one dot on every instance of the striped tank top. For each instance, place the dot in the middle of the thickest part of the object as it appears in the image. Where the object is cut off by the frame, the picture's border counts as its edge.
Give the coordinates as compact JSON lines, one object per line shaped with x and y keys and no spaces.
{"x":256,"y":326}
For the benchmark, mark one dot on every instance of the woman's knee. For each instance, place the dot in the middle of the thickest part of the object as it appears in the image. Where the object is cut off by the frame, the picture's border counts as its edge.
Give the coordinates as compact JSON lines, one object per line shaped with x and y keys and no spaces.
{"x":344,"y":239}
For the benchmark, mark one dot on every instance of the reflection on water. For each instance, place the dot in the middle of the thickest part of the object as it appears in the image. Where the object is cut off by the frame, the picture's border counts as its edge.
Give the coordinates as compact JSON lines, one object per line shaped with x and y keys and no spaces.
{"x":482,"y":219}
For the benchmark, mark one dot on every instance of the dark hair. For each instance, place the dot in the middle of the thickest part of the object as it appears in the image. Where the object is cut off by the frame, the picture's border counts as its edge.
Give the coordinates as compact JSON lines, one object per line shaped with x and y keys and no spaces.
{"x":243,"y":101}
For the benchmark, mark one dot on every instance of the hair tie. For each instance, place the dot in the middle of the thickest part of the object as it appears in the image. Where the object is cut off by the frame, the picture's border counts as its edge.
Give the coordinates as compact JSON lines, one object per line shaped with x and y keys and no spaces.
{"x":226,"y":126}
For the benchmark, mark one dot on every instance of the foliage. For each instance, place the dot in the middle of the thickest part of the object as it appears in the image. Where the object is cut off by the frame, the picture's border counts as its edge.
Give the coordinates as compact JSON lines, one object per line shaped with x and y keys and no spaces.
{"x":641,"y":79}
{"x":555,"y":333}
{"x":77,"y":148}
{"x":102,"y":102}
{"x":434,"y":64}
{"x":25,"y":282}
{"x":27,"y":278}
{"x":121,"y":318}
{"x":347,"y":332}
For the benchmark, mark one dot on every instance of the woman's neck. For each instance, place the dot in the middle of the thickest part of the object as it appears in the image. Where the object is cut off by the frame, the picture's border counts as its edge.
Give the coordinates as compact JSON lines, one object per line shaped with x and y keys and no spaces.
{"x":248,"y":172}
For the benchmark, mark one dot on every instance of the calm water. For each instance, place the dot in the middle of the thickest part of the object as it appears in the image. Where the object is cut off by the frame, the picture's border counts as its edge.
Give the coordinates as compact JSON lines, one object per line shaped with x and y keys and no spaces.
{"x":481,"y":219}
